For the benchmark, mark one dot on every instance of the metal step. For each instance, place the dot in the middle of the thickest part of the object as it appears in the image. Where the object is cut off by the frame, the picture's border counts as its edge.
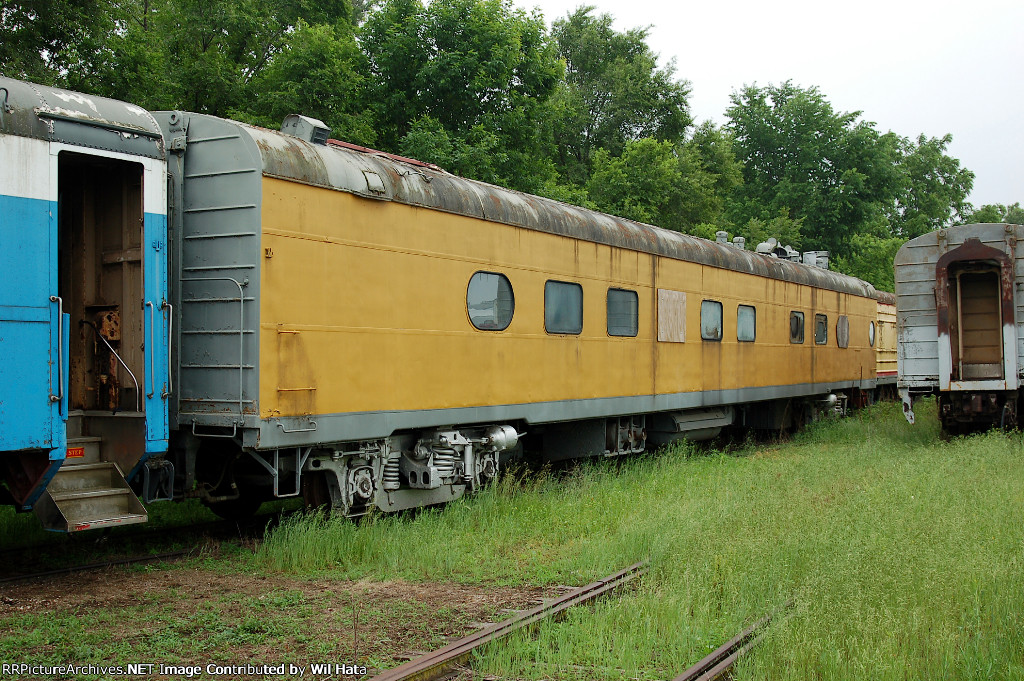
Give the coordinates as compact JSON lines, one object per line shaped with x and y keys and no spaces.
{"x":82,"y":450}
{"x":88,"y":496}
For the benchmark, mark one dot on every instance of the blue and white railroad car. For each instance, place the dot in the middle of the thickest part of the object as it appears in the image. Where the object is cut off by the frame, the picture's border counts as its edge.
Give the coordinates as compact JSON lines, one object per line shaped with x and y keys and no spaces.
{"x":84,"y":319}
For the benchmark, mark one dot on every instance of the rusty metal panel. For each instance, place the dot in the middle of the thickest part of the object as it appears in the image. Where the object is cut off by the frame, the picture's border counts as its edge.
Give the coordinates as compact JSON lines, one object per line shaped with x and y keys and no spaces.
{"x":55,"y":115}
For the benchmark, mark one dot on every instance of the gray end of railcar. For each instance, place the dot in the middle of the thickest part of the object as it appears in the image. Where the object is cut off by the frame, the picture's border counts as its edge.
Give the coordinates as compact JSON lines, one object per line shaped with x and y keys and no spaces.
{"x":921,"y":352}
{"x":216,"y":191}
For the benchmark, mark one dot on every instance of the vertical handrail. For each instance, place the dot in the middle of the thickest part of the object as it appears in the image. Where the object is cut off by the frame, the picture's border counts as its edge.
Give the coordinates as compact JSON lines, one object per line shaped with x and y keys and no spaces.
{"x":241,"y":336}
{"x":110,"y":347}
{"x":152,"y":347}
{"x":170,"y":337}
{"x":60,"y":349}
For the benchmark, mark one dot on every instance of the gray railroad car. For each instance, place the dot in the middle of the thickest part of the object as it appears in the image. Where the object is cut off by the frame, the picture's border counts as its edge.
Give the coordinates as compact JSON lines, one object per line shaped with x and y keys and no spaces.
{"x":961,"y":324}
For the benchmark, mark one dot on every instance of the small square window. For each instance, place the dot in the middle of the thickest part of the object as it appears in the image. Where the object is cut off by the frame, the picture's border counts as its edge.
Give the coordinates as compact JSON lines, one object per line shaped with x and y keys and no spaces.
{"x":820,"y":329}
{"x":623,"y":312}
{"x":796,"y":327}
{"x":711,"y":320}
{"x":563,"y":307}
{"x":746,"y":323}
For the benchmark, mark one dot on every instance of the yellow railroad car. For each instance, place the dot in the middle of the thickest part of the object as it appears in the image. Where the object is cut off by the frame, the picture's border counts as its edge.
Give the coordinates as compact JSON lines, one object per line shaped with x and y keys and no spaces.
{"x":885,"y":344}
{"x":371,"y":331}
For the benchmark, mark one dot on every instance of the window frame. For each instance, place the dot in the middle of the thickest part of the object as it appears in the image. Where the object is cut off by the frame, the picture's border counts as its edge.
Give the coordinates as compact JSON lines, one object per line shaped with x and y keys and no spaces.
{"x":721,"y":320}
{"x":753,"y":309}
{"x":512,"y":291}
{"x":821,"y":319}
{"x":797,"y":314}
{"x":563,"y":283}
{"x":636,"y":312}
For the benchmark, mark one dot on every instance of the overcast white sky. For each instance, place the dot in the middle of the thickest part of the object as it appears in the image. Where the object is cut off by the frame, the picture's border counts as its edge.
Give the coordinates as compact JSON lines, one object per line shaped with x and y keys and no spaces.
{"x":931,"y":67}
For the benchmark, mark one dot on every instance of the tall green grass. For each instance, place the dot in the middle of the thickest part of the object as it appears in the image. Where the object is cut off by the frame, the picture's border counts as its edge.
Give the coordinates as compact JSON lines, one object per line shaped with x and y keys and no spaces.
{"x":902,"y":554}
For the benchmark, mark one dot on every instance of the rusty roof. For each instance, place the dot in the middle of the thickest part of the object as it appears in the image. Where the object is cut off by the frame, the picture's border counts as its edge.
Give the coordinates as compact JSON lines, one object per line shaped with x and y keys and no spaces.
{"x":385,"y":177}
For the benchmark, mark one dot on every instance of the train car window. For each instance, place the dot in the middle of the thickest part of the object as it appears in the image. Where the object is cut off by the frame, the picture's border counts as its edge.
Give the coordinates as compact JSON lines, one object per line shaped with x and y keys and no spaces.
{"x":711,"y":320}
{"x":843,"y":331}
{"x":490,"y":301}
{"x":746,"y":323}
{"x":563,"y":307}
{"x":671,"y":316}
{"x":871,"y":334}
{"x":820,"y":329}
{"x":796,"y":327}
{"x":623,"y":312}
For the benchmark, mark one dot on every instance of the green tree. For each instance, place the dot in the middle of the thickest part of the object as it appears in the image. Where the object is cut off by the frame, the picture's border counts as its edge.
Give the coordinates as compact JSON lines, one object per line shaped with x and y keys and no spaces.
{"x":825,"y":168}
{"x":870,"y":257}
{"x":613,"y":92}
{"x":670,"y":185}
{"x":47,"y":40}
{"x":994,"y":212}
{"x":470,"y":69}
{"x":319,"y":73}
{"x":932,"y":189}
{"x":641,"y":184}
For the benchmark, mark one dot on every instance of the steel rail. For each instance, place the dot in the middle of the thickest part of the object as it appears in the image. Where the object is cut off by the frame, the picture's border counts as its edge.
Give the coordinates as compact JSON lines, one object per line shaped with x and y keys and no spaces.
{"x":436,"y":664}
{"x":721,"y":660}
{"x":97,"y":566}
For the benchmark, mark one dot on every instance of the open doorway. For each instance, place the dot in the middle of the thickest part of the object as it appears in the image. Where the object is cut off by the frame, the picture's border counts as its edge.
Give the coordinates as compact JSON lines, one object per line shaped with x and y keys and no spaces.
{"x":976,"y":324}
{"x":100,"y":213}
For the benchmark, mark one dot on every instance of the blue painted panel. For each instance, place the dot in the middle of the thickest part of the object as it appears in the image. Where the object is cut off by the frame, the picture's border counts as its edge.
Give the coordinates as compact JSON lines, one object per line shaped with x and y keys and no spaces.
{"x":157,"y":321}
{"x":29,"y":419}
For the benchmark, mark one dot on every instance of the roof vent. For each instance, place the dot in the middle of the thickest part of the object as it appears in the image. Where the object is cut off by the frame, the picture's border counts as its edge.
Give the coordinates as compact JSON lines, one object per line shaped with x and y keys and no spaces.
{"x":304,"y":127}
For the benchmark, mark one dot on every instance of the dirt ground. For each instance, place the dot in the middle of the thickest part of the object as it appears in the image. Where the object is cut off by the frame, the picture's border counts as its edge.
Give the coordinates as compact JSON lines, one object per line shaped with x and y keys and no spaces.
{"x":197,"y":616}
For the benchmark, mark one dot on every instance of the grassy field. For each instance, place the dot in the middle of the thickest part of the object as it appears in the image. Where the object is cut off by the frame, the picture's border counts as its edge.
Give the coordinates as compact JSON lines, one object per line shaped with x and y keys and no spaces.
{"x":902,"y":554}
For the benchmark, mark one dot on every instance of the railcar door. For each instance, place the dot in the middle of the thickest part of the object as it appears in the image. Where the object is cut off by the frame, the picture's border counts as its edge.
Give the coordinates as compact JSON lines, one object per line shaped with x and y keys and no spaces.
{"x":32,"y":363}
{"x":977,"y":340}
{"x":113,"y":283}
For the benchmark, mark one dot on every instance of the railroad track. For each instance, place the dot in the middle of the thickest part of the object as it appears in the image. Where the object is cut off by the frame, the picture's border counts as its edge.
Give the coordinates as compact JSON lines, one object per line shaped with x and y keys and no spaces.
{"x":21,"y":563}
{"x":438,"y":663}
{"x":721,"y":660}
{"x":170,"y":555}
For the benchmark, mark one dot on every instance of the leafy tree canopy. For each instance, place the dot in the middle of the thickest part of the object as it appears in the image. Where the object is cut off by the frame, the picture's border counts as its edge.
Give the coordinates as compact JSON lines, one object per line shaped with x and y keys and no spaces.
{"x":994,"y":212}
{"x":464,"y":83}
{"x":613,"y":92}
{"x":800,"y":155}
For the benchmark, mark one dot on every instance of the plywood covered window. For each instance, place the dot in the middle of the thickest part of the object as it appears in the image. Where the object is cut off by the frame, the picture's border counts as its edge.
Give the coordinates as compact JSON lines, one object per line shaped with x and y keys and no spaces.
{"x":746,"y":323}
{"x":671,"y":316}
{"x":563,"y":307}
{"x":490,"y":301}
{"x":623,"y":312}
{"x":843,"y":331}
{"x":820,"y":329}
{"x":711,"y":320}
{"x":796,"y":327}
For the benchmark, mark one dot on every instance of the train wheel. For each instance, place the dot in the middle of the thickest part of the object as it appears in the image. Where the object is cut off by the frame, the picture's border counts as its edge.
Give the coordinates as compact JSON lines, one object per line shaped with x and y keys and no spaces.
{"x":315,"y":491}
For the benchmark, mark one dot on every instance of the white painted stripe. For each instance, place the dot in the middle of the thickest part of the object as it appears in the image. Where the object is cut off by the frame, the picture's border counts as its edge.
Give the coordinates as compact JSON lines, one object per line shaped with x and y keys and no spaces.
{"x":24,"y":167}
{"x":154,"y":180}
